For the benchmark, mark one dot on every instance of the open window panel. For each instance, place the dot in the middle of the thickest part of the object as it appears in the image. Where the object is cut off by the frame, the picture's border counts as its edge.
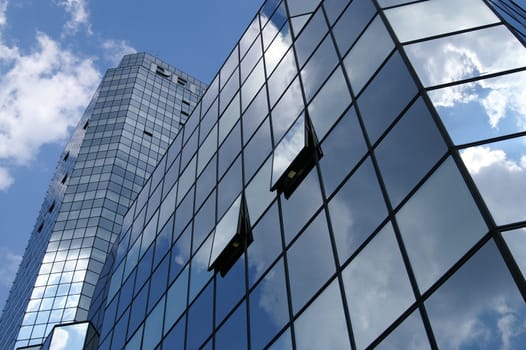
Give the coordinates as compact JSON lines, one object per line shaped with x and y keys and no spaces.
{"x":294,"y":156}
{"x":232,"y":236}
{"x":163,"y":72}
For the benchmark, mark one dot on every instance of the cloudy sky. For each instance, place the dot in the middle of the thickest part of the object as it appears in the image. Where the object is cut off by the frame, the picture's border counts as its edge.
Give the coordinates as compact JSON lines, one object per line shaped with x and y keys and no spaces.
{"x":52,"y":56}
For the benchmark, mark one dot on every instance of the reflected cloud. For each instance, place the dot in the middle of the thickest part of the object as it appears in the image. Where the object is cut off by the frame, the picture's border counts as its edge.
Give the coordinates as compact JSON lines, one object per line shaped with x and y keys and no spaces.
{"x":502,"y":163}
{"x":466,"y":55}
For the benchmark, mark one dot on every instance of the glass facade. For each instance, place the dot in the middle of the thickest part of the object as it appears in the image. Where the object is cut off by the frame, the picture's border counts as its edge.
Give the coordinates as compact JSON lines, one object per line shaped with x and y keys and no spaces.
{"x":379,"y":148}
{"x":352,"y":178}
{"x":136,"y":112}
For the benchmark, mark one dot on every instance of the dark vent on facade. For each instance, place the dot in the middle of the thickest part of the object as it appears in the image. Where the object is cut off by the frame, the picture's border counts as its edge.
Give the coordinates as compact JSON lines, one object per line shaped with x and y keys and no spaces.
{"x":51,"y":207}
{"x":163,"y":72}
{"x":66,"y":156}
{"x":181,"y":81}
{"x":86,"y":125}
{"x":64,"y":179}
{"x":185,"y":113}
{"x":148,"y":133}
{"x":40,"y":227}
{"x":186,"y":102}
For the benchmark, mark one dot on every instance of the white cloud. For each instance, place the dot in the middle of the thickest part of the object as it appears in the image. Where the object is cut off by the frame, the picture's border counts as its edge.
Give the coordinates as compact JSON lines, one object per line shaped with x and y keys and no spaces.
{"x":42,"y":96}
{"x":6,"y":180}
{"x":79,"y":15}
{"x":500,"y":180}
{"x":8,"y":266}
{"x":3,"y":9}
{"x":116,"y":49}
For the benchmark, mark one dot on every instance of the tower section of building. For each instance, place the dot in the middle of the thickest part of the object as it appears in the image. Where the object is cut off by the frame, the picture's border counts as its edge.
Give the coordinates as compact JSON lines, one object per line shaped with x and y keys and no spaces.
{"x":135,"y":113}
{"x":353,"y":178}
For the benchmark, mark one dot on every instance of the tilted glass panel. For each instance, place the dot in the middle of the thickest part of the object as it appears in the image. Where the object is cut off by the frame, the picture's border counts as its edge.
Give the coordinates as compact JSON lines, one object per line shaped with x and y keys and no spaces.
{"x":429,"y":18}
{"x":225,"y":230}
{"x":288,"y":149}
{"x":377,"y":286}
{"x":502,"y":163}
{"x":484,"y":108}
{"x":479,"y":306}
{"x":439,"y":223}
{"x":466,"y":55}
{"x":69,"y":337}
{"x":322,"y":325}
{"x":367,"y":54}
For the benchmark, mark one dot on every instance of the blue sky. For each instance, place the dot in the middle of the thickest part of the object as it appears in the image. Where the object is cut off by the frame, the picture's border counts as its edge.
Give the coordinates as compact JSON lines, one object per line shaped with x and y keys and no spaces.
{"x":52,"y":56}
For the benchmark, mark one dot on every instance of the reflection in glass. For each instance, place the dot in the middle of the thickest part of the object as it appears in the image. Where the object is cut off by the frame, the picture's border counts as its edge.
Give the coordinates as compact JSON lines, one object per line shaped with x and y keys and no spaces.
{"x":233,"y":333}
{"x":484,"y":108}
{"x":516,"y":241}
{"x":343,"y":147}
{"x":286,"y":110}
{"x":436,"y":17}
{"x":409,"y":335}
{"x":439,"y":223}
{"x":299,"y":7}
{"x":356,"y":210}
{"x":502,"y":163}
{"x":268,"y":306}
{"x":310,"y":262}
{"x":318,"y":68}
{"x":386,"y":96}
{"x":322,"y":325}
{"x":378,"y":289}
{"x":414,"y":152}
{"x":479,"y":307}
{"x":367,"y":54}
{"x":310,"y":37}
{"x":257,"y":192}
{"x":352,"y":22}
{"x":277,"y":49}
{"x":466,"y":55}
{"x":330,"y":102}
{"x":298,"y":23}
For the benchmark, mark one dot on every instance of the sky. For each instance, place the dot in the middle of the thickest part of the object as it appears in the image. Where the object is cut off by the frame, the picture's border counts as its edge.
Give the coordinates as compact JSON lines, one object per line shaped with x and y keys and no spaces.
{"x":52,"y":57}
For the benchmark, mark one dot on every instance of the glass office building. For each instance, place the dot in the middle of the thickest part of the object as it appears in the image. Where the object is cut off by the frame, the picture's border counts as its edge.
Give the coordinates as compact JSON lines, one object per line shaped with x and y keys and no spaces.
{"x":134,"y":115}
{"x":354,"y":177}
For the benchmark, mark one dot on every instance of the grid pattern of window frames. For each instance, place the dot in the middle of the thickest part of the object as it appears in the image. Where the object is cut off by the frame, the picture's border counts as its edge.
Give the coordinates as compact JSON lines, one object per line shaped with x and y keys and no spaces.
{"x":399,"y":236}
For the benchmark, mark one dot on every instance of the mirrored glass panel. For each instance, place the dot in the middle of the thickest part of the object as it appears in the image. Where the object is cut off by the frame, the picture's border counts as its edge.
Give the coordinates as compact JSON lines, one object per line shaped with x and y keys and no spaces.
{"x":268,"y":306}
{"x":310,"y":261}
{"x":367,"y":54}
{"x":329,"y":104}
{"x":226,"y":229}
{"x":414,"y":152}
{"x":69,"y":337}
{"x":377,"y":286}
{"x":516,"y":241}
{"x":277,"y":49}
{"x":310,"y":37}
{"x":479,"y":306}
{"x":322,"y":325}
{"x":257,"y":191}
{"x":410,"y":335}
{"x":286,"y":110}
{"x":482,"y":109}
{"x":288,"y":149}
{"x":466,"y":55}
{"x":439,"y":224}
{"x":357,"y":210}
{"x":436,"y":17}
{"x":299,"y":7}
{"x":352,"y":22}
{"x":502,"y":163}
{"x":386,"y":96}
